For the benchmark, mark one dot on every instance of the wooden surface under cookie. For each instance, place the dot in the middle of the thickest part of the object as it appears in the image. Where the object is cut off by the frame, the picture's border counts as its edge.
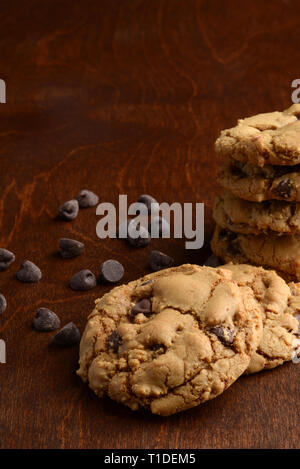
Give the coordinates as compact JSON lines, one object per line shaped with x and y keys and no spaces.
{"x":125,"y":97}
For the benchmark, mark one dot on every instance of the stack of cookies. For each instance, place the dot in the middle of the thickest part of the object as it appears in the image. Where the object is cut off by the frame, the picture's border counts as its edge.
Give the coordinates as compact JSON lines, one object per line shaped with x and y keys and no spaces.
{"x":258,"y":217}
{"x":178,"y":337}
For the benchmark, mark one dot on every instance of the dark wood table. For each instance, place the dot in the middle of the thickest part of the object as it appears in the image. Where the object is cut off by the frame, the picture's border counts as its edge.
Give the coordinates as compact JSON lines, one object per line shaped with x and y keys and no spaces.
{"x":125,"y":97}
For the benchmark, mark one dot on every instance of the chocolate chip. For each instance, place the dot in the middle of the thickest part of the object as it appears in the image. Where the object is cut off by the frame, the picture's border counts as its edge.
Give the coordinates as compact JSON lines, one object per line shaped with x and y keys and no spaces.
{"x":297,"y":316}
{"x":68,"y":336}
{"x":69,"y":210}
{"x":83,"y":281}
{"x":225,"y":334}
{"x":87,"y":199}
{"x":156,"y":347}
{"x":158,"y":226}
{"x":3,"y":303}
{"x":159,"y":261}
{"x":150,"y":202}
{"x":69,"y":248}
{"x":29,"y":272}
{"x":6,"y":258}
{"x":111,"y":271}
{"x":212,"y":261}
{"x":284,"y":188}
{"x":144,"y":306}
{"x":114,"y":341}
{"x":46,"y":320}
{"x":142,"y":239}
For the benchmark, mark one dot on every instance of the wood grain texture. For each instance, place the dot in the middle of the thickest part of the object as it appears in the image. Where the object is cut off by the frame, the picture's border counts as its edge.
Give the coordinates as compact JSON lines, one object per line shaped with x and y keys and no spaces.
{"x":125,"y":97}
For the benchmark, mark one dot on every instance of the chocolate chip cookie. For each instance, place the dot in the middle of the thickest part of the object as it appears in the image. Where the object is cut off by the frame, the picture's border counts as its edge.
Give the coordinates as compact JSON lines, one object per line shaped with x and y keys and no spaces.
{"x":170,"y":340}
{"x":269,"y":138}
{"x":257,"y":184}
{"x":242,"y":216}
{"x":281,"y":253}
{"x":280,"y":308}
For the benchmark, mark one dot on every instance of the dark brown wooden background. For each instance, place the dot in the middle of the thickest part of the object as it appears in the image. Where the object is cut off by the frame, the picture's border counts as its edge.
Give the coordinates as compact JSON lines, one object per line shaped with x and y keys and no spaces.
{"x":125,"y":97}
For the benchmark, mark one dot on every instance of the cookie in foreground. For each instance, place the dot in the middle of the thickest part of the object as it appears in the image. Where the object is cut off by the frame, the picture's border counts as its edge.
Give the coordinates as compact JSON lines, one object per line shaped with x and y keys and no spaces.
{"x":170,"y":340}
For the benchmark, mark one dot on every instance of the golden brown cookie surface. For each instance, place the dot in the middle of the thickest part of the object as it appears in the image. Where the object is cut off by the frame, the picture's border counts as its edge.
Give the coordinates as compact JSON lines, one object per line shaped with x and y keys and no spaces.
{"x":256,"y":184}
{"x":280,"y":308}
{"x":242,"y":216}
{"x":171,"y":340}
{"x":281,"y":253}
{"x":269,"y":138}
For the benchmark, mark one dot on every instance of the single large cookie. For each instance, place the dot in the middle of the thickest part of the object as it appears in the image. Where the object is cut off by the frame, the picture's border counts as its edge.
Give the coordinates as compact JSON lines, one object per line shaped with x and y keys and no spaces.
{"x":270,"y":138}
{"x":281,"y":253}
{"x":242,"y":216}
{"x":254,"y":183}
{"x":171,"y":340}
{"x":281,"y":307}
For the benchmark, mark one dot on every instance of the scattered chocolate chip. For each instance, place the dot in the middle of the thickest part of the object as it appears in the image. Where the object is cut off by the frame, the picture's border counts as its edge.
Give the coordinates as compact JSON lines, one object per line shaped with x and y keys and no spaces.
{"x":29,"y":272}
{"x":46,"y":320}
{"x":83,"y":281}
{"x":68,"y":336}
{"x":212,"y":261}
{"x":144,"y":306}
{"x":87,"y":199}
{"x":143,"y":237}
{"x":158,"y":226}
{"x":159,"y":261}
{"x":234,"y":247}
{"x":69,"y":248}
{"x":150,"y":202}
{"x":284,"y":188}
{"x":3,"y":303}
{"x":6,"y":258}
{"x":69,"y":210}
{"x":114,"y":341}
{"x":225,"y":334}
{"x":297,"y":316}
{"x":111,"y":271}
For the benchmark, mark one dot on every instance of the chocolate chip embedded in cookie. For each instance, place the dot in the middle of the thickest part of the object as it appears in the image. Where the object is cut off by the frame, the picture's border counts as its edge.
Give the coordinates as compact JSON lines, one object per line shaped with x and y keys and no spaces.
{"x":280,"y":305}
{"x":256,"y":184}
{"x":171,"y":340}
{"x":242,"y":216}
{"x":270,"y":138}
{"x":281,"y":253}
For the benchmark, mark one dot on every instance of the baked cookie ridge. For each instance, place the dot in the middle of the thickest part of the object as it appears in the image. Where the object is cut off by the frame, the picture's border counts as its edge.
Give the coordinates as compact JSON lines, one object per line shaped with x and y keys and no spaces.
{"x":242,"y":216}
{"x":281,"y":253}
{"x":250,"y":182}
